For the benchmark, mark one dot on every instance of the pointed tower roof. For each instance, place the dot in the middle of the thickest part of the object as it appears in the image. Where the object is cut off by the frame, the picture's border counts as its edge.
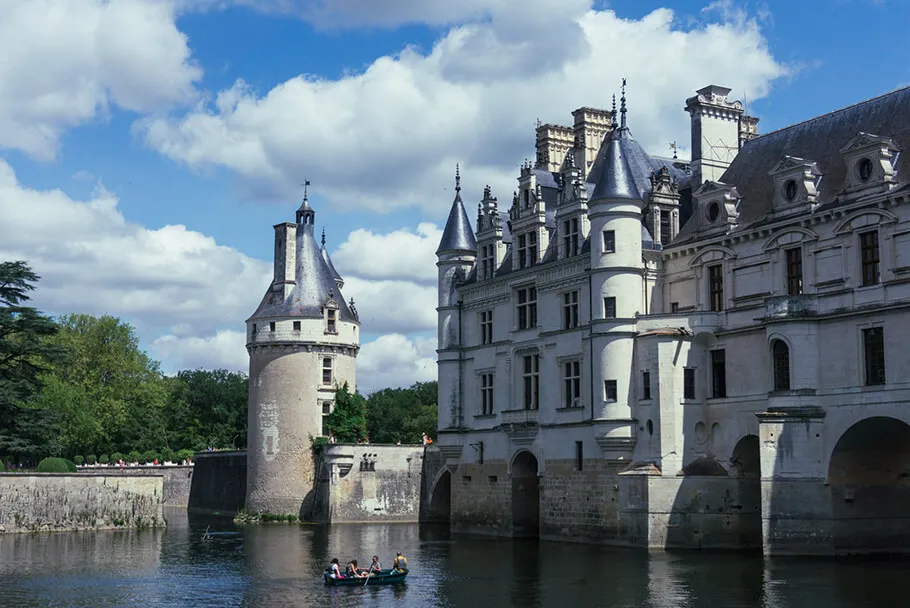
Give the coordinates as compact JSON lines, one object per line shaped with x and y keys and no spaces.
{"x":458,"y":234}
{"x":328,"y":262}
{"x":613,"y":173}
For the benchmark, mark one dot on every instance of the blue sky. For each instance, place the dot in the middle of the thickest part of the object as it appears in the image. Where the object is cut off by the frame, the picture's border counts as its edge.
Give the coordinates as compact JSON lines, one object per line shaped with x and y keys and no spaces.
{"x":115,"y":133}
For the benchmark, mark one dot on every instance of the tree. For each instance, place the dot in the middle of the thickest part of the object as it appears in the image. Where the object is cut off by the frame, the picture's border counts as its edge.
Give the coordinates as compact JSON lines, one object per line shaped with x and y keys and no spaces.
{"x":402,"y":414}
{"x":347,"y":422}
{"x":25,"y":352}
{"x":207,"y":408}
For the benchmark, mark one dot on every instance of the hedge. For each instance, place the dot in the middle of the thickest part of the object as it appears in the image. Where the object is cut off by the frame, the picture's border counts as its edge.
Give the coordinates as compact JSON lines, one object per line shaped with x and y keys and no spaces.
{"x":56,"y":465}
{"x":78,"y":460}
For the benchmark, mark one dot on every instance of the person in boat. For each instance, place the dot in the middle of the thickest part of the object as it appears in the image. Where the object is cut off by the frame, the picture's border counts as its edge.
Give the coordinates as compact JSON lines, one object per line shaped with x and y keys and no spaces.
{"x":401,"y":562}
{"x":335,"y":569}
{"x":354,"y":571}
{"x":375,"y":566}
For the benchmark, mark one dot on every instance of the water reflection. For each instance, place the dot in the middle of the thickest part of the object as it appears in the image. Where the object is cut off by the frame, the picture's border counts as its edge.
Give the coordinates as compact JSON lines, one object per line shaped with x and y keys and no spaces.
{"x":280,"y":565}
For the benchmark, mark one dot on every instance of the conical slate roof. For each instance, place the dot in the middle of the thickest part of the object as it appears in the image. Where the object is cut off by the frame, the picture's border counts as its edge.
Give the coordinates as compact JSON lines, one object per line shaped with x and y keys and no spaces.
{"x":315,"y":285}
{"x":328,"y":262}
{"x":613,"y":174}
{"x":458,"y":234}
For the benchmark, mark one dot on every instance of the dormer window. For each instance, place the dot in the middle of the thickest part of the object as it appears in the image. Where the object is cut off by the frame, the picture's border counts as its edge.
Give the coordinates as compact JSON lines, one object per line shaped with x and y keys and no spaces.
{"x":864,"y":168}
{"x":790,"y":190}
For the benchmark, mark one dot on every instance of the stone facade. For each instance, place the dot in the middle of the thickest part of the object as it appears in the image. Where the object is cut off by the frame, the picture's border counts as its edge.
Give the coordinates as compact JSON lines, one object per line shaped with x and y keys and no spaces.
{"x":302,"y":340}
{"x":698,"y":353}
{"x":48,"y":502}
{"x":176,"y":480}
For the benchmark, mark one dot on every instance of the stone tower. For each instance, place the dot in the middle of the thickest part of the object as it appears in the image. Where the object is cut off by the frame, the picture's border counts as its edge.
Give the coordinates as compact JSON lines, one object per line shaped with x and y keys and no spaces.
{"x":303,"y":341}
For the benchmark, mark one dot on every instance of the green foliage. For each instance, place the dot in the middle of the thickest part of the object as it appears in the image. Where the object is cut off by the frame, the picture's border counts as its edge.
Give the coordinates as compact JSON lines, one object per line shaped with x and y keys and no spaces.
{"x":149,"y":456}
{"x":91,"y":459}
{"x":56,"y":465}
{"x":167,"y":455}
{"x":78,"y":460}
{"x":116,"y":456}
{"x":104,"y":459}
{"x":402,"y":414}
{"x":25,"y":353}
{"x":134,"y":456}
{"x":2,"y":467}
{"x":184,"y":454}
{"x":207,"y":408}
{"x":347,"y":422}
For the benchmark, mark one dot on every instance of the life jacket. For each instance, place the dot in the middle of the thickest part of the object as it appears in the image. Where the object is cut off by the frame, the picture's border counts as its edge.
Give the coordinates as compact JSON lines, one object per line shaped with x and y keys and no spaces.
{"x":401,"y":563}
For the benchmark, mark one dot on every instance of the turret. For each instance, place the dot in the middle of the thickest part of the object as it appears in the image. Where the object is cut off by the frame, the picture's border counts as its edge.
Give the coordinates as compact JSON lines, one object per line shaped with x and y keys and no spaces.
{"x":455,"y":257}
{"x":490,"y":248}
{"x":303,"y":341}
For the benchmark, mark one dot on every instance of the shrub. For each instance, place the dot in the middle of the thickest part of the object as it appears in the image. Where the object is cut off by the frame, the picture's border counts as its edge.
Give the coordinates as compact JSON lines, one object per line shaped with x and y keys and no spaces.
{"x":148,"y":457}
{"x":104,"y":459}
{"x":78,"y":460}
{"x":56,"y":465}
{"x":116,"y":456}
{"x":2,"y":468}
{"x":134,"y":456}
{"x":167,"y":455}
{"x":91,"y":459}
{"x":184,"y":454}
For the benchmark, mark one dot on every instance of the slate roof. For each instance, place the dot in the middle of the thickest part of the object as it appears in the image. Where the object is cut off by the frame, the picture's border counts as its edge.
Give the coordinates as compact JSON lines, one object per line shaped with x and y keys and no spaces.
{"x":315,"y":285}
{"x":818,"y":139}
{"x":458,"y":234}
{"x":328,"y":262}
{"x":613,"y":174}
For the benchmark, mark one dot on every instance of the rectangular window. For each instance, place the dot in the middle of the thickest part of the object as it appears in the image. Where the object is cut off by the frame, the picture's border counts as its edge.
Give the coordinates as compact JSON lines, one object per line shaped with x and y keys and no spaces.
{"x":486,"y":261}
{"x":326,"y":407}
{"x":532,"y":248}
{"x":486,"y":394}
{"x":522,"y":249}
{"x":794,"y":271}
{"x":674,"y":306}
{"x":646,"y":385}
{"x":570,"y":310}
{"x":874,"y":351}
{"x":609,"y":241}
{"x":272,"y":326}
{"x":689,"y":383}
{"x":527,"y":308}
{"x":610,"y":307}
{"x":664,"y":228}
{"x":330,"y":317}
{"x":327,"y":370}
{"x":716,"y":286}
{"x":570,"y":237}
{"x":486,"y":327}
{"x":579,"y":455}
{"x":254,"y":329}
{"x":718,"y":373}
{"x":296,"y":325}
{"x":572,"y":383}
{"x":611,"y":392}
{"x":868,"y":244}
{"x":325,"y":426}
{"x":531,"y":377}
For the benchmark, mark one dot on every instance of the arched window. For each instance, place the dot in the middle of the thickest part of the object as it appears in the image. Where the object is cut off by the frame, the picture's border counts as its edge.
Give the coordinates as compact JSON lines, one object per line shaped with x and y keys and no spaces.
{"x":780,"y":355}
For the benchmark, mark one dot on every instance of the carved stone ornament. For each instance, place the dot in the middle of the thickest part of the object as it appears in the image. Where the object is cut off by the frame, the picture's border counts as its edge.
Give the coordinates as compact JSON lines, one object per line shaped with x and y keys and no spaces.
{"x":795,"y":183}
{"x":718,"y":204}
{"x":870,"y":164}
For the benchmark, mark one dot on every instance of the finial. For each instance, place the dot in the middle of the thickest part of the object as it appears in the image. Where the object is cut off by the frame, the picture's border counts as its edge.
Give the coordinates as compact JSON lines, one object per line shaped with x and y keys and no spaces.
{"x":306,"y":184}
{"x":622,"y":105}
{"x":613,"y":113}
{"x":323,"y":236}
{"x":673,"y":147}
{"x":457,"y":180}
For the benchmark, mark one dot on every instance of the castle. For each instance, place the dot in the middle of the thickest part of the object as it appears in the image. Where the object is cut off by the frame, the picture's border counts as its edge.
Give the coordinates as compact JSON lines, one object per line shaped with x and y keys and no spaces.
{"x":658,"y":353}
{"x":302,"y":341}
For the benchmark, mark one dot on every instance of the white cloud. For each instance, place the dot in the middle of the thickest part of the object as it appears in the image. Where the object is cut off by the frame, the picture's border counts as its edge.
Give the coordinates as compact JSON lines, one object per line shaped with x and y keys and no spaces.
{"x":226,"y":349}
{"x":65,"y":62}
{"x":388,"y":138}
{"x":395,"y":360}
{"x":392,"y":306}
{"x":400,"y":254}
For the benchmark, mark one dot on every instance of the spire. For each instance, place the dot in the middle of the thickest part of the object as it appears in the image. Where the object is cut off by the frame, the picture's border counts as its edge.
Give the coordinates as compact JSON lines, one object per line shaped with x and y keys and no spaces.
{"x":457,"y":235}
{"x":613,"y":113}
{"x":305,"y":213}
{"x":616,"y":178}
{"x":622,"y":106}
{"x":323,"y":236}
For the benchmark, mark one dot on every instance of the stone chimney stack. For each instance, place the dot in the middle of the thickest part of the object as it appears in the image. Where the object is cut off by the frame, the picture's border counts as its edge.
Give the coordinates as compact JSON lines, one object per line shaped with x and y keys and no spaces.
{"x":285,"y":258}
{"x":715,"y":132}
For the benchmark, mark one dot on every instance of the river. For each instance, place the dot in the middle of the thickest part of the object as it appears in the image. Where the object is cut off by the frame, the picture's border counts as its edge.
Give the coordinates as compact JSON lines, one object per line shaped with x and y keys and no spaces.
{"x":279,"y":565}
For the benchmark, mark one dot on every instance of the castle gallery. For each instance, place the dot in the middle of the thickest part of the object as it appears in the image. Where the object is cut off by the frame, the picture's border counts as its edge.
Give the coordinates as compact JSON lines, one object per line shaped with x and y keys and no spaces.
{"x":653,"y":352}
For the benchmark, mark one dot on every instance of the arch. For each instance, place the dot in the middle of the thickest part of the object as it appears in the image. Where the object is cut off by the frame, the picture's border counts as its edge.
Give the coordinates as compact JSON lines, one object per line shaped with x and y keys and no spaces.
{"x":746,"y":459}
{"x":780,"y":364}
{"x":525,"y":495}
{"x":712,"y":254}
{"x":795,"y":235}
{"x":869,"y":481}
{"x":745,"y":465}
{"x":440,"y":507}
{"x":847,"y":224}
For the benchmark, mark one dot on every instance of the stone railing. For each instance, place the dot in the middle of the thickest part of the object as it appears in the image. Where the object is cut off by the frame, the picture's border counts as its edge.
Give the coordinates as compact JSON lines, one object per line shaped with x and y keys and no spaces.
{"x":520,"y":417}
{"x":782,"y":307}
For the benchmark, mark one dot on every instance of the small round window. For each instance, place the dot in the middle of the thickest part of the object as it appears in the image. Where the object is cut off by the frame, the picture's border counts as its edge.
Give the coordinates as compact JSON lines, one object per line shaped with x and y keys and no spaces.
{"x":713,"y":211}
{"x":790,"y":190}
{"x":865,"y":169}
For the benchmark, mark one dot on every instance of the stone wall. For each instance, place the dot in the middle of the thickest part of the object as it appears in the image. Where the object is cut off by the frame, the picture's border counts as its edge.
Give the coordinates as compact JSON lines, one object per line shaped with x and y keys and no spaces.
{"x":218,"y":482}
{"x":177,"y":479}
{"x":482,"y":499}
{"x":57,"y":501}
{"x":369,"y":483}
{"x":580,"y":505}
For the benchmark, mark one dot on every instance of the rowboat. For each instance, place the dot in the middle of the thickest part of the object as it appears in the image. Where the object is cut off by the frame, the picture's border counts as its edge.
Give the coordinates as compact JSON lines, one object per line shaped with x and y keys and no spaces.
{"x":383,"y":577}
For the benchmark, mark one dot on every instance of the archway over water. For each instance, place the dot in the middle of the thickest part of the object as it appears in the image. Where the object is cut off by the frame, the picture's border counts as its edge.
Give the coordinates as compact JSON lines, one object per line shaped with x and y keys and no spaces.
{"x":525,"y":496}
{"x":869,"y":477}
{"x":745,"y":465}
{"x":440,"y":510}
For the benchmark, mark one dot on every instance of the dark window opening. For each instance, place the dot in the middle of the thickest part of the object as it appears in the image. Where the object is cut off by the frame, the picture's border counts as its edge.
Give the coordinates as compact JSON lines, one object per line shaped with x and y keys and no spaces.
{"x":718,"y":373}
{"x":610,"y":307}
{"x":780,"y":354}
{"x":531,"y":377}
{"x":272,"y":326}
{"x":646,"y":385}
{"x":579,"y":456}
{"x":665,"y":235}
{"x":296,"y":325}
{"x":868,"y":244}
{"x":716,"y":286}
{"x":794,"y":271}
{"x":527,"y":308}
{"x":611,"y":393}
{"x":609,"y":241}
{"x":689,"y":383}
{"x":874,"y":350}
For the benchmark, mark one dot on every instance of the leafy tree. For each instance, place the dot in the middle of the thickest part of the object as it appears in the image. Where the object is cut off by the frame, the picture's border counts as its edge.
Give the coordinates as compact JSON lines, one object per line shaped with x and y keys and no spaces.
{"x":207,"y":408}
{"x":347,"y":422}
{"x":25,"y":352}
{"x":402,"y":414}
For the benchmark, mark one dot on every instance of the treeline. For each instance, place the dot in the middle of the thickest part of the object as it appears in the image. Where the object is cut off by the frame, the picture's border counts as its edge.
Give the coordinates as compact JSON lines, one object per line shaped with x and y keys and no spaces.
{"x":78,"y":386}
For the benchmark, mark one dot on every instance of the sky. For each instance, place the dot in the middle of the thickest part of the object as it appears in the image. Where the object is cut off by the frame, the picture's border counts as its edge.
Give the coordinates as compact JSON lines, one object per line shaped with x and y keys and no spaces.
{"x":147,"y":147}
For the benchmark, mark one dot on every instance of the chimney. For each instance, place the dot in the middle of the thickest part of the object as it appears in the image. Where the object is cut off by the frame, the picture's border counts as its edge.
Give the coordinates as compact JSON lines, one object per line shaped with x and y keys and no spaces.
{"x":285,"y":258}
{"x":715,"y":132}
